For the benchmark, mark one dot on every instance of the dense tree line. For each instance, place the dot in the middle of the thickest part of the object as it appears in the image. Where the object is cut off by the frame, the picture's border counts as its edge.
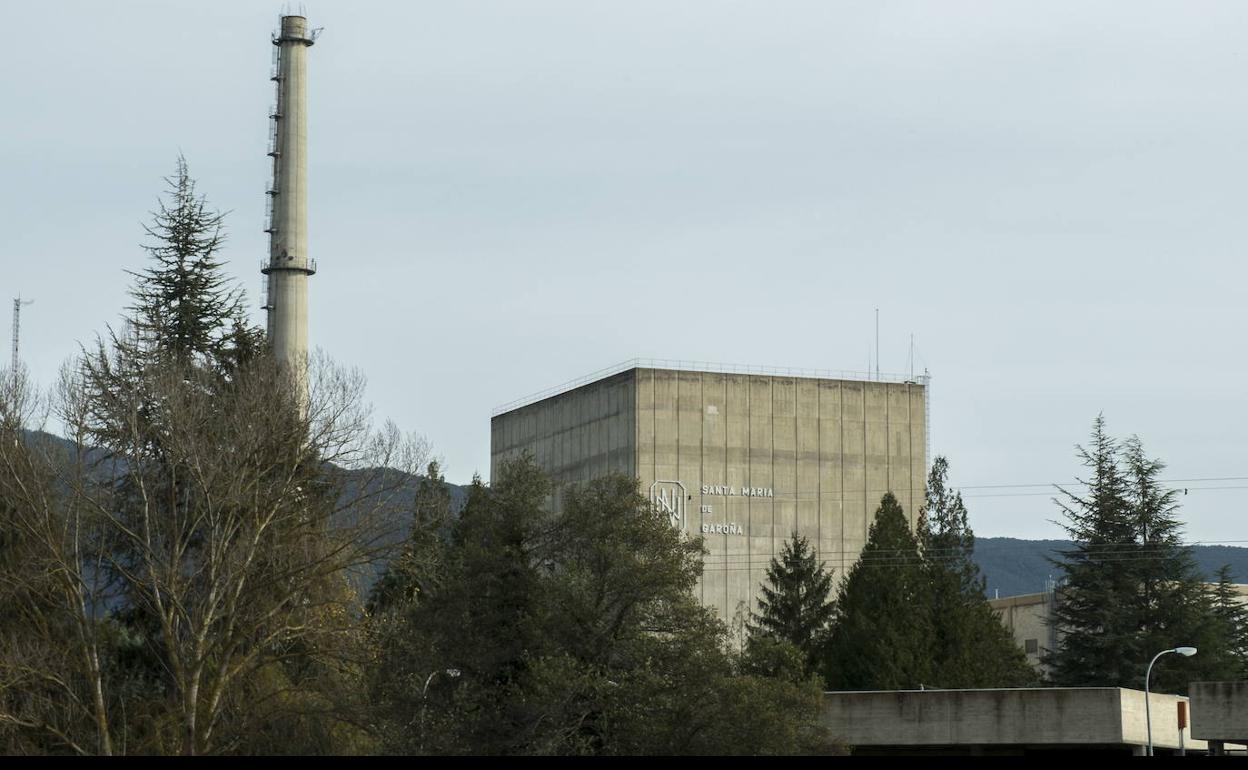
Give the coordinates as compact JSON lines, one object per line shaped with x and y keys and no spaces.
{"x":911,"y":612}
{"x":571,"y":632}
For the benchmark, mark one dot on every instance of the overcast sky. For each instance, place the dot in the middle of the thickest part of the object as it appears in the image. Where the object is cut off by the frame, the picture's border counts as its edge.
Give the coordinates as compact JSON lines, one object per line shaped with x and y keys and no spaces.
{"x":1048,"y":195}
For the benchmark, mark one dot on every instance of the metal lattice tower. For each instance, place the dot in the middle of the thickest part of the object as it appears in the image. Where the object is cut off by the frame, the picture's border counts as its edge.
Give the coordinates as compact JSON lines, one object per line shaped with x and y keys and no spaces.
{"x":17,"y":329}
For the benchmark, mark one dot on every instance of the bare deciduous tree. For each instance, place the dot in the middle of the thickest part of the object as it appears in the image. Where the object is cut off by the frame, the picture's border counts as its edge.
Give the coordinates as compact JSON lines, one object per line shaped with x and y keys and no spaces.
{"x":219,"y":526}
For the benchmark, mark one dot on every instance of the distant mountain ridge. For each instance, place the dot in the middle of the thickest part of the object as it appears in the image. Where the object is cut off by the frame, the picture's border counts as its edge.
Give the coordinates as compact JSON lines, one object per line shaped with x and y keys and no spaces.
{"x":1012,"y":566}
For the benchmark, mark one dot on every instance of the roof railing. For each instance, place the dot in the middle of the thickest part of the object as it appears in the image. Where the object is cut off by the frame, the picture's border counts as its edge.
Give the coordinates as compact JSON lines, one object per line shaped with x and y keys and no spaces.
{"x":709,"y":367}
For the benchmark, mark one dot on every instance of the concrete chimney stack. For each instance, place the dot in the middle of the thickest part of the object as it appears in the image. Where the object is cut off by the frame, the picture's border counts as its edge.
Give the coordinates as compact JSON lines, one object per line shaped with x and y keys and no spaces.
{"x":289,"y":265}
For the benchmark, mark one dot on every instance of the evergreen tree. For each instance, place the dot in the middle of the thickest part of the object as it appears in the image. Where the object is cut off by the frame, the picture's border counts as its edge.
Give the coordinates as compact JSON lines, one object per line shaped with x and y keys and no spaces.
{"x":186,"y":320}
{"x":415,"y":569}
{"x":1171,"y":603}
{"x":795,"y":604}
{"x":576,"y":632}
{"x":1230,"y":628}
{"x":880,"y":640}
{"x":482,"y":621}
{"x":970,"y":646}
{"x":1097,"y":644}
{"x":184,"y":307}
{"x":1130,"y":587}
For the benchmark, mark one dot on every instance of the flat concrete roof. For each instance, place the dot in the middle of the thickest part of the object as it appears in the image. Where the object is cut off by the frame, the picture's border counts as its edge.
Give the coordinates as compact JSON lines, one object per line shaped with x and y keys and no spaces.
{"x":706,"y":366}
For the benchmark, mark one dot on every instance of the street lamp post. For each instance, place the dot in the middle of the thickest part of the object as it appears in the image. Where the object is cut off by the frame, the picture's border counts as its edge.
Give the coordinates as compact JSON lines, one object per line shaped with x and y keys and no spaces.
{"x":453,"y":673}
{"x":1186,"y":652}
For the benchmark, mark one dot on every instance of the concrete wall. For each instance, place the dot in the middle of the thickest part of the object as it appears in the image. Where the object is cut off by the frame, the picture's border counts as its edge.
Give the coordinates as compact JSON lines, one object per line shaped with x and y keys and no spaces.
{"x":1220,"y":711}
{"x":1028,"y":619}
{"x":758,"y":457}
{"x":576,"y":436}
{"x":822,"y":453}
{"x":1092,"y":716}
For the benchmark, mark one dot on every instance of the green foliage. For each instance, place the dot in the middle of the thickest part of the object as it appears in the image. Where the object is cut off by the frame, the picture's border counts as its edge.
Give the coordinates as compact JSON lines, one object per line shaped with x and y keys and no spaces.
{"x":969,"y":645}
{"x":1131,"y":588}
{"x":413,"y":572}
{"x":574,"y":632}
{"x":795,"y":604}
{"x":1230,"y":629}
{"x":1098,"y":643}
{"x":184,"y":307}
{"x":880,"y":640}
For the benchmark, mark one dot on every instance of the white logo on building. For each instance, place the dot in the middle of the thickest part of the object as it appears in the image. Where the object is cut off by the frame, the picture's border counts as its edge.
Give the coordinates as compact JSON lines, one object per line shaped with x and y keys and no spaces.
{"x":670,"y":497}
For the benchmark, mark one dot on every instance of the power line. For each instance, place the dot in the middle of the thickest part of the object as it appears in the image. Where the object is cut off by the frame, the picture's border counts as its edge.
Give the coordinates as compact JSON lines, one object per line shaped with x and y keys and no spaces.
{"x":1184,"y":490}
{"x":814,"y":496}
{"x":897,"y":558}
{"x":1054,"y":487}
{"x":1084,"y":483}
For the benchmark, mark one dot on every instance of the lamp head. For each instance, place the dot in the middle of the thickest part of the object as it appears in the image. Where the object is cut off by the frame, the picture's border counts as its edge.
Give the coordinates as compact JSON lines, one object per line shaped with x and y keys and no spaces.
{"x":1186,"y":652}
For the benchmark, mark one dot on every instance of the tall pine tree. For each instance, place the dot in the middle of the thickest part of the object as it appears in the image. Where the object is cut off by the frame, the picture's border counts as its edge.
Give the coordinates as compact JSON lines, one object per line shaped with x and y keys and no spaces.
{"x":1097,"y":642}
{"x":1131,"y":588}
{"x":881,"y":637}
{"x":1230,"y":627}
{"x":186,"y":318}
{"x":795,"y":603}
{"x":1171,"y":604}
{"x":184,"y":307}
{"x":969,"y":645}
{"x":416,"y":568}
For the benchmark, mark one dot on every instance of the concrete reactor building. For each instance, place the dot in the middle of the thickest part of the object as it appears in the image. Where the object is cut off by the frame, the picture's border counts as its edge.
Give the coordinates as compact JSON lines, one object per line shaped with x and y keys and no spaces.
{"x":741,"y":456}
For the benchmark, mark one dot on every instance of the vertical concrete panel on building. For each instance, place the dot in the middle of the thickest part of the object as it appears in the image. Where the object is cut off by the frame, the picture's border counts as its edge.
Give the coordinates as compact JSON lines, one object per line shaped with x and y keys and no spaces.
{"x":645,"y":436}
{"x":714,"y":451}
{"x":665,"y":425}
{"x":499,"y":434}
{"x":761,"y":509}
{"x":899,"y":464}
{"x":876,"y":459}
{"x":632,"y":419}
{"x":586,"y":433}
{"x":854,"y":441}
{"x":611,"y":429}
{"x":743,"y":575}
{"x":831,"y":471}
{"x":807,"y":426}
{"x":689,"y":468}
{"x":918,"y":440}
{"x":622,"y":443}
{"x":784,"y":460}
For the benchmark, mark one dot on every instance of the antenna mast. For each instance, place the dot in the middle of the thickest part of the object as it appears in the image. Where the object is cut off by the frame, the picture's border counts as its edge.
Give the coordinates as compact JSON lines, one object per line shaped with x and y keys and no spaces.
{"x":877,"y":343}
{"x":17,"y":327}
